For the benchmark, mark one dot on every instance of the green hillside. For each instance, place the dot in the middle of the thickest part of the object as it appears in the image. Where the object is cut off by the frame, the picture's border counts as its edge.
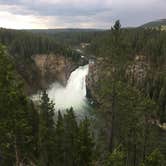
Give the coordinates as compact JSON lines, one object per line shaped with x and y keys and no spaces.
{"x":155,"y":24}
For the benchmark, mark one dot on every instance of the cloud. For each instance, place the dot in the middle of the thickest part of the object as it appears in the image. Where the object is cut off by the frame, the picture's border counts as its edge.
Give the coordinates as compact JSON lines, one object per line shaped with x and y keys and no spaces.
{"x":9,"y":20}
{"x":64,"y":13}
{"x":59,"y":7}
{"x":87,"y":13}
{"x":135,"y":13}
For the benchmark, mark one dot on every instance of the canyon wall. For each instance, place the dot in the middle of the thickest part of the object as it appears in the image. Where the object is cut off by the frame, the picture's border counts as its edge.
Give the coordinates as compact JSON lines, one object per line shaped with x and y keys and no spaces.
{"x":102,"y":68}
{"x":44,"y":70}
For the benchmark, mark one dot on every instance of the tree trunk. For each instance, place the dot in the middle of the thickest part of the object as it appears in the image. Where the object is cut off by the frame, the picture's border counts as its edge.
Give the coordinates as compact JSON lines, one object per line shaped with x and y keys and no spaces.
{"x":17,"y":153}
{"x":111,"y":146}
{"x":145,"y":138}
{"x":135,"y":154}
{"x":135,"y":149}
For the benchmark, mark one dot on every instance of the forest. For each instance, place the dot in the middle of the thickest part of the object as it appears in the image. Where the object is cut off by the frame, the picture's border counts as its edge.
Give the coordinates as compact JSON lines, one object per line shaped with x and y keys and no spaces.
{"x":124,"y":128}
{"x":23,"y":46}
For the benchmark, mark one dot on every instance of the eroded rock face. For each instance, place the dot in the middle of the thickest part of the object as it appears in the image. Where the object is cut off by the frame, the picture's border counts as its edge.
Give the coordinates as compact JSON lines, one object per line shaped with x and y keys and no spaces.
{"x":44,"y":70}
{"x":136,"y":73}
{"x":91,"y":81}
{"x":101,"y":68}
{"x":53,"y":68}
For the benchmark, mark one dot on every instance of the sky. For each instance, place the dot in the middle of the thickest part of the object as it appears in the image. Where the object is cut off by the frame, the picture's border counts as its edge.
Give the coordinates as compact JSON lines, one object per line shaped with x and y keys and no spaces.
{"x":50,"y":14}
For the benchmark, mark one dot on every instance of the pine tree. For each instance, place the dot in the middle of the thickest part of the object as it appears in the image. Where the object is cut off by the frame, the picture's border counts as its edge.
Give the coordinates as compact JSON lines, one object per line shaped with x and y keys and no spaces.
{"x":85,"y":144}
{"x":154,"y":159}
{"x":59,"y":140}
{"x":117,"y":25}
{"x":46,"y":131}
{"x":116,"y":158}
{"x":70,"y":138}
{"x":15,"y":128}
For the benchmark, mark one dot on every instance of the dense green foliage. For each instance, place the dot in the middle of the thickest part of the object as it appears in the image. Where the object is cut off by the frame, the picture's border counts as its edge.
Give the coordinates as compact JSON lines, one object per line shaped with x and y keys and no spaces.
{"x":31,"y":136}
{"x":72,"y":37}
{"x":128,"y":112}
{"x":155,"y":158}
{"x":121,"y":49}
{"x":23,"y":46}
{"x":150,"y":43}
{"x":17,"y":126}
{"x":75,"y":38}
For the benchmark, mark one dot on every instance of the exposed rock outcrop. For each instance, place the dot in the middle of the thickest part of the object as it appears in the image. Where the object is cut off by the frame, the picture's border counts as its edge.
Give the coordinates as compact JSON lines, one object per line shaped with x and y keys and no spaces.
{"x":92,"y":80}
{"x":44,"y":70}
{"x":136,"y":73}
{"x":54,"y":68}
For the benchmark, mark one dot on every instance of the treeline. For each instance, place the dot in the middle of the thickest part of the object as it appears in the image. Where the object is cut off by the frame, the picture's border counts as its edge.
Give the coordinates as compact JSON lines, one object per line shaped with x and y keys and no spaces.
{"x":147,"y":42}
{"x":30,"y":135}
{"x":70,"y":37}
{"x":75,"y":38}
{"x":24,"y":45}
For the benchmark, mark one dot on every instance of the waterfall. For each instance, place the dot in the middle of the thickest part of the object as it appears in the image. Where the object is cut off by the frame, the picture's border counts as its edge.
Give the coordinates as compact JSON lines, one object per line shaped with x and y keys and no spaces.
{"x":74,"y":94}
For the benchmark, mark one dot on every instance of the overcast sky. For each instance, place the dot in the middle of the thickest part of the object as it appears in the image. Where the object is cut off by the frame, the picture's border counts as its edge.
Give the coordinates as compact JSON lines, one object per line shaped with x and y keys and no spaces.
{"x":30,"y":14}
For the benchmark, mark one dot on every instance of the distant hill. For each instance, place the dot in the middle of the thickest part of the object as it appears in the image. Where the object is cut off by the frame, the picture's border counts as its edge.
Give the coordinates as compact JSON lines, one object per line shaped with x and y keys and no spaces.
{"x":55,"y":31}
{"x":155,"y":24}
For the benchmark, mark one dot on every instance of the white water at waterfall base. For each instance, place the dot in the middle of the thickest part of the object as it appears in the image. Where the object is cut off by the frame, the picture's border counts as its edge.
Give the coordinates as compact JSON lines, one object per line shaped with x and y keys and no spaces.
{"x":74,"y":94}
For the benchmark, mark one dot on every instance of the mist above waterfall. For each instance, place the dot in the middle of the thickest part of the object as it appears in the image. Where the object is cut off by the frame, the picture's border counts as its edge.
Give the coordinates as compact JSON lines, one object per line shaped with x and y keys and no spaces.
{"x":74,"y":94}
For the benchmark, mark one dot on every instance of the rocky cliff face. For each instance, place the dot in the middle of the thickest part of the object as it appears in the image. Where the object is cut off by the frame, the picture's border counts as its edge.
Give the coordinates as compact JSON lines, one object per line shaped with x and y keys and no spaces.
{"x":136,"y":72}
{"x":93,"y":78}
{"x":54,"y":68}
{"x":99,"y":69}
{"x":44,"y":70}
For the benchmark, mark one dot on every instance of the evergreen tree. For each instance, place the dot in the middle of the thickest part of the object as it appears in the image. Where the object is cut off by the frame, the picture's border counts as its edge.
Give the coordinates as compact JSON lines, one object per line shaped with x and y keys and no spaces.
{"x":15,"y":127}
{"x":85,"y":144}
{"x":46,"y":132}
{"x":70,"y":138}
{"x":154,"y":159}
{"x":116,"y":158}
{"x":117,"y":25}
{"x":73,"y":142}
{"x":59,"y":140}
